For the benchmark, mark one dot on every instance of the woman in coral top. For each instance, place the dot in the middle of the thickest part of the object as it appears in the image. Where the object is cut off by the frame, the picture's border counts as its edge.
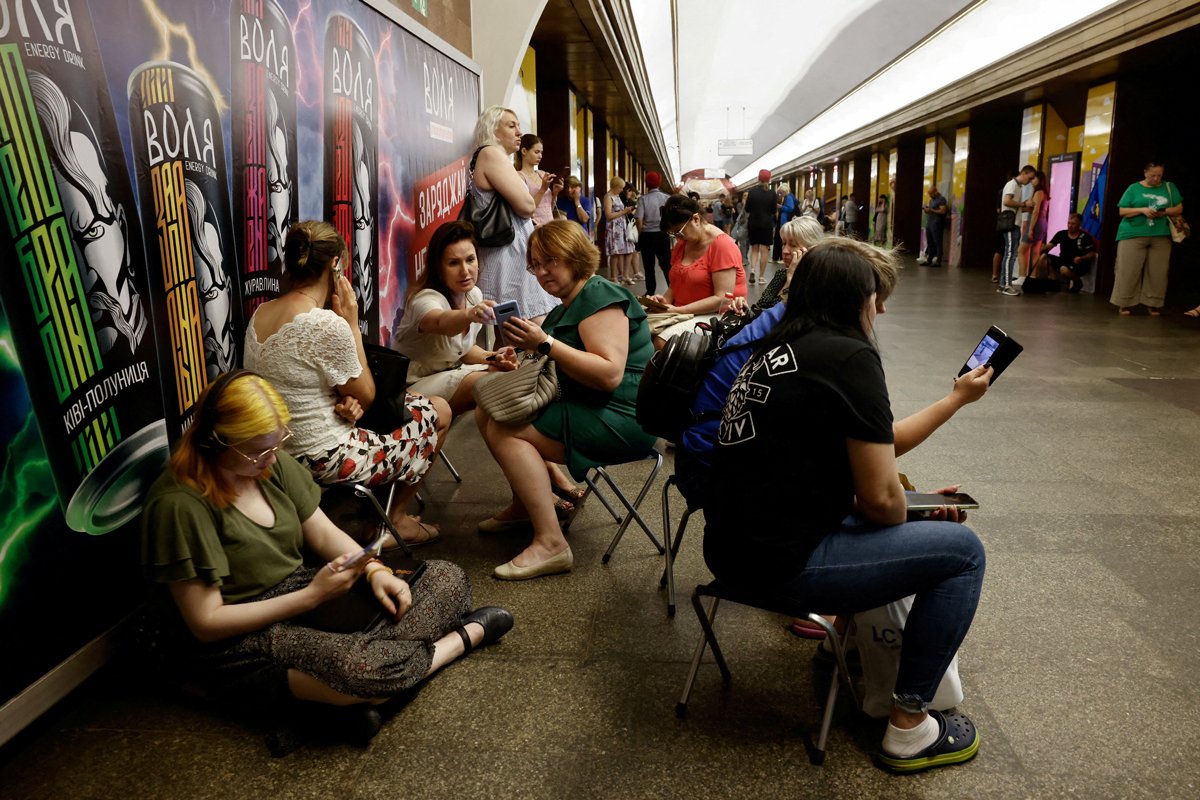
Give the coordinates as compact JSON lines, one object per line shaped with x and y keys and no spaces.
{"x":706,"y":264}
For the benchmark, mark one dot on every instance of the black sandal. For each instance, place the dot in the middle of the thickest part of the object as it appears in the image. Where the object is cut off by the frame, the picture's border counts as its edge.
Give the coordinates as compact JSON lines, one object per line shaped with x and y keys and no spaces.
{"x":494,"y":620}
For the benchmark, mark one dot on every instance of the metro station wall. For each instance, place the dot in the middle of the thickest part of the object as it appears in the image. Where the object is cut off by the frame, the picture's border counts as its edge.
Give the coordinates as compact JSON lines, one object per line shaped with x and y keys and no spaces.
{"x":155,"y":152}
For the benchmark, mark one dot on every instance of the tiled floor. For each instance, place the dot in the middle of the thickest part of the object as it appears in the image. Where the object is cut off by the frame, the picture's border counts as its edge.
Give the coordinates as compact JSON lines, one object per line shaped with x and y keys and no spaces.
{"x":1080,"y":668}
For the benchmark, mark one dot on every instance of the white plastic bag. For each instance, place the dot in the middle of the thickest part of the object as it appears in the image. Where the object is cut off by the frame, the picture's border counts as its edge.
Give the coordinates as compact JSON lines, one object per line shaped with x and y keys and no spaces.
{"x":880,"y":635}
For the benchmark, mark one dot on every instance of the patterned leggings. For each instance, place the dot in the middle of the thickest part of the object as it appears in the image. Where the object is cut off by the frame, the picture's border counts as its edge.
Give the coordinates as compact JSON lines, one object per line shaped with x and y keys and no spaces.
{"x":373,"y":459}
{"x":384,"y":660}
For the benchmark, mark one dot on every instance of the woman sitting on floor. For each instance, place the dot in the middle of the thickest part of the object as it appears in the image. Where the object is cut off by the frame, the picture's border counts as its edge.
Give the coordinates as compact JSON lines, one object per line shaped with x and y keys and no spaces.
{"x":224,"y":528}
{"x":599,"y":340}
{"x":811,"y":408}
{"x":315,"y":358}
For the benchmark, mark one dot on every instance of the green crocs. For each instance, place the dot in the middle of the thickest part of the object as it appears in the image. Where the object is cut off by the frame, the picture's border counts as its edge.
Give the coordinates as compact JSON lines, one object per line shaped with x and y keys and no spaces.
{"x":957,"y":742}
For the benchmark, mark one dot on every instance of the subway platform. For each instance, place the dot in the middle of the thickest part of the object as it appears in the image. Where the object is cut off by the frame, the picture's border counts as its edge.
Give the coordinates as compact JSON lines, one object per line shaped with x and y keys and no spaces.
{"x":1079,"y":669}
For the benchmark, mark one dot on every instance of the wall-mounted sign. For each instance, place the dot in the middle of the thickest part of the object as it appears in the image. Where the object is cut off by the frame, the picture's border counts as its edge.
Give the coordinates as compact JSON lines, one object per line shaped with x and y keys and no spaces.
{"x":735,"y":147}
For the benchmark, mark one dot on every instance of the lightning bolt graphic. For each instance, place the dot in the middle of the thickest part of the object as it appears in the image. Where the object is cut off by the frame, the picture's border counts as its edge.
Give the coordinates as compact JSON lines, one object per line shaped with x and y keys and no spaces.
{"x":388,"y":276}
{"x":303,"y":31}
{"x":168,"y":29}
{"x":27,"y":494}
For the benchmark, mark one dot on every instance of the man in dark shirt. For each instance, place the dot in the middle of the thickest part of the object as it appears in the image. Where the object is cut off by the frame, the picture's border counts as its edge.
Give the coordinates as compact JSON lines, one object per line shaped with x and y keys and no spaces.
{"x":935,"y":226}
{"x":1076,"y":254}
{"x":760,"y":211}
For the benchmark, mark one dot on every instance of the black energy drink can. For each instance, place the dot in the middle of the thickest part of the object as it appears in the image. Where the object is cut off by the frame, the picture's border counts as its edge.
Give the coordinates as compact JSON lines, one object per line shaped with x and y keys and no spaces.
{"x":352,"y":159}
{"x":265,"y":197}
{"x":75,"y":287}
{"x":180,"y":159}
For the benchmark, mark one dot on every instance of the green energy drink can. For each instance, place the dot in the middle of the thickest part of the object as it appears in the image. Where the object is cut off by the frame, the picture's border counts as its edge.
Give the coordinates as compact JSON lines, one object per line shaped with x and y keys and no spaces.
{"x":75,"y":287}
{"x":265,"y":197}
{"x":351,"y":159}
{"x":180,"y":159}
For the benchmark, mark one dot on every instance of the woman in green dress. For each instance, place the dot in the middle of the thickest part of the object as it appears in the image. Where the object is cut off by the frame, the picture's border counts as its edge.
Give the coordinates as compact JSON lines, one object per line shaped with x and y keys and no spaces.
{"x":600,"y":343}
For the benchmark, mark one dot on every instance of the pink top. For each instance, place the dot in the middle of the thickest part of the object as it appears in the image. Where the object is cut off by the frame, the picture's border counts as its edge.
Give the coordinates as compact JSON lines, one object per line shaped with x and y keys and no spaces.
{"x":694,"y":281}
{"x":545,"y":208}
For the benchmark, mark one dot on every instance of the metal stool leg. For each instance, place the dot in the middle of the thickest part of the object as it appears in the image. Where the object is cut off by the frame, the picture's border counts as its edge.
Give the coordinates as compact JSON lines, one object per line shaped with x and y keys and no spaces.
{"x":632,"y":508}
{"x":594,"y":489}
{"x":705,"y":639}
{"x":450,"y":466}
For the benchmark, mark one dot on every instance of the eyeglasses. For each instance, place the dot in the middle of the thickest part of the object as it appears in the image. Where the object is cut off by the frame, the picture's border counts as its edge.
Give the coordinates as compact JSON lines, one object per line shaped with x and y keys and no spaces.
{"x":258,"y":459}
{"x":536,"y":266}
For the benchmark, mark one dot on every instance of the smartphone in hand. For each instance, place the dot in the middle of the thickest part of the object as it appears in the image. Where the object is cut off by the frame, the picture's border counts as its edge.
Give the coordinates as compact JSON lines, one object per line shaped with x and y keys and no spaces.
{"x":505,"y":311}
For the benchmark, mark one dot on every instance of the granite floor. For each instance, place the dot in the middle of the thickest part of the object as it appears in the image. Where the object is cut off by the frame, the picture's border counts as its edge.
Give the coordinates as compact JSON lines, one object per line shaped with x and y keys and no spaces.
{"x":1083,"y":457}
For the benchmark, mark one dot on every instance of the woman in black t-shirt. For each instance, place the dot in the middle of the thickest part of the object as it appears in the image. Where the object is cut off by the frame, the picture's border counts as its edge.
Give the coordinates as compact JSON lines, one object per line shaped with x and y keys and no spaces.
{"x":812,"y":405}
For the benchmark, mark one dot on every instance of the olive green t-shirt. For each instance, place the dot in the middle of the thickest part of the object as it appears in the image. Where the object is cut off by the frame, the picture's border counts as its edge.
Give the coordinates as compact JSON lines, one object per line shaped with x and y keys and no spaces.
{"x":186,"y":537}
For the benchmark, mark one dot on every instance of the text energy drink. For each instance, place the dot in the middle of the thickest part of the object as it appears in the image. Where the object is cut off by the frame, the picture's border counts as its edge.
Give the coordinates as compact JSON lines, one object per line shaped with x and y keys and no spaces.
{"x":180,"y":160}
{"x":75,"y":285}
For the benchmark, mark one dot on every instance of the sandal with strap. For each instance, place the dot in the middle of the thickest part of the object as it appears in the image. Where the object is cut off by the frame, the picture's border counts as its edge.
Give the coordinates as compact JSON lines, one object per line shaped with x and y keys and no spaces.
{"x":1192,"y":312}
{"x":494,"y":620}
{"x":572,"y":495}
{"x":957,"y":742}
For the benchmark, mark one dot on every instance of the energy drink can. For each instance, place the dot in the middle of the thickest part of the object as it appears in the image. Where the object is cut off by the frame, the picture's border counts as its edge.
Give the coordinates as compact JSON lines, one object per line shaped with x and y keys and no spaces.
{"x":351,"y":159}
{"x":76,"y":290}
{"x":265,"y":197}
{"x":180,"y":161}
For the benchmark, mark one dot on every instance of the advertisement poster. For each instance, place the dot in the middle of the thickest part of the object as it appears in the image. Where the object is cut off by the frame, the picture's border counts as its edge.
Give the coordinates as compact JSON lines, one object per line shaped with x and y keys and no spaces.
{"x":155,"y":154}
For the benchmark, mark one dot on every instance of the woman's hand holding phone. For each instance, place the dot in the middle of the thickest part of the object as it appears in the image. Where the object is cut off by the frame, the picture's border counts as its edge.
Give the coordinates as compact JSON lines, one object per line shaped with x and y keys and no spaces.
{"x":334,"y":578}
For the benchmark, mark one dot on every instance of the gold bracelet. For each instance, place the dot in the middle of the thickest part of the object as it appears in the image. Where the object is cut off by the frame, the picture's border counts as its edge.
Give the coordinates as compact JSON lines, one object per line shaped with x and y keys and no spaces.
{"x":368,"y":572}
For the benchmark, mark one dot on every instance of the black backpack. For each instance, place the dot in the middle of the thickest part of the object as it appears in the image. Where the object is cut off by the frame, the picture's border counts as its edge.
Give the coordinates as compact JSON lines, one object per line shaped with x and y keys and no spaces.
{"x":673,"y":375}
{"x":669,"y":384}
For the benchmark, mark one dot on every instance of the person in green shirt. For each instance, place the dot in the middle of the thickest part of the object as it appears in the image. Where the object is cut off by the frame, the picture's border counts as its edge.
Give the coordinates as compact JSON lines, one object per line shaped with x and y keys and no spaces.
{"x":1144,"y":242}
{"x":226,"y":528}
{"x":599,"y":341}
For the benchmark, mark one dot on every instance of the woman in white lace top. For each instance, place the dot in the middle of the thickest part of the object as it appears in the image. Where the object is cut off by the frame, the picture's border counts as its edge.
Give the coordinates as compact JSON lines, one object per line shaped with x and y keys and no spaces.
{"x":315,"y":358}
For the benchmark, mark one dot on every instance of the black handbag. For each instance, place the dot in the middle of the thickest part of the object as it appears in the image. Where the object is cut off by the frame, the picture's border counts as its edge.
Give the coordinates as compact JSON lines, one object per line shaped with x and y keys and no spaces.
{"x":493,"y":222}
{"x":389,"y":369}
{"x":1006,"y":221}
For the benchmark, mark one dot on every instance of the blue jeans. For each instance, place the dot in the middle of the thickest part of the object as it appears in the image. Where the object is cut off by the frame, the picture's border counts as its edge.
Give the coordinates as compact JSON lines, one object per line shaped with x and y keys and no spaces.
{"x":1008,"y":263}
{"x":933,"y":242}
{"x":863,"y":566}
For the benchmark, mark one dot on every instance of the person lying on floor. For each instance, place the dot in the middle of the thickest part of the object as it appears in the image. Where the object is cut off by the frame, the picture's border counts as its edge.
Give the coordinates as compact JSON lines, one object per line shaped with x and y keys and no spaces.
{"x":840,"y":544}
{"x":225,"y":529}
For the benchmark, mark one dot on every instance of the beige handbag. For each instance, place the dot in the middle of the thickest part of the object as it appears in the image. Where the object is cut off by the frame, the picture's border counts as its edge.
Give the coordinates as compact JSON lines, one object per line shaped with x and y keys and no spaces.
{"x":516,"y":397}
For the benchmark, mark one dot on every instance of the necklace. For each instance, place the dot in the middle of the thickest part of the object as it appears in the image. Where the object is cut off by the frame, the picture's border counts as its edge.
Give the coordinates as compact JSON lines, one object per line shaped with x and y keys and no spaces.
{"x":309,"y":296}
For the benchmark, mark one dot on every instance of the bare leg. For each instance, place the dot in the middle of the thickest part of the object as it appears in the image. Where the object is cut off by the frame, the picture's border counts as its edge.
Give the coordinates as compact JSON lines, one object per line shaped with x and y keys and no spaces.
{"x":996,"y":257}
{"x":521,"y":453}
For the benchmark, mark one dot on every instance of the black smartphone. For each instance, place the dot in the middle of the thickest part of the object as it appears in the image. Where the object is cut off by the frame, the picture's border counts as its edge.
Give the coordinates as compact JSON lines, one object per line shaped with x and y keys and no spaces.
{"x":996,"y":348}
{"x":929,"y":502}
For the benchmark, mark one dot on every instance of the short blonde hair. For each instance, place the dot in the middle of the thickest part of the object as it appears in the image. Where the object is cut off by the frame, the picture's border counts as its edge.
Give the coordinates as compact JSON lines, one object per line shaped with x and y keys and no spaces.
{"x":802,"y":231}
{"x":616,"y":183}
{"x":568,"y":242}
{"x":247,"y":406}
{"x":485,"y":126}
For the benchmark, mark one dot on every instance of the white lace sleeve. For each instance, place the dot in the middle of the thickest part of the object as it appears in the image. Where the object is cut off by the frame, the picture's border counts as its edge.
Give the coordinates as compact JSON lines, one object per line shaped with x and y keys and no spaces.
{"x":331,"y":348}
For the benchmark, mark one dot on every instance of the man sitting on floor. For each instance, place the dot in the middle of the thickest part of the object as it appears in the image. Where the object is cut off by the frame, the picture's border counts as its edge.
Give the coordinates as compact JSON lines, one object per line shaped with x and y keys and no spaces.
{"x":1076,"y":254}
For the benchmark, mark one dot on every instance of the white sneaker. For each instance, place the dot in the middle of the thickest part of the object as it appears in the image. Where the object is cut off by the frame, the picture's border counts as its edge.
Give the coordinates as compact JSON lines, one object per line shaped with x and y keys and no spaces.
{"x":1018,"y":281}
{"x":922,"y":262}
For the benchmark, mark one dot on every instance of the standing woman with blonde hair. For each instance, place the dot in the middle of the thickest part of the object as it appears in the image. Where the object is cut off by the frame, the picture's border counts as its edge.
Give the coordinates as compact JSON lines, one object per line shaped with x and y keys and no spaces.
{"x":616,"y":237}
{"x":502,"y":274}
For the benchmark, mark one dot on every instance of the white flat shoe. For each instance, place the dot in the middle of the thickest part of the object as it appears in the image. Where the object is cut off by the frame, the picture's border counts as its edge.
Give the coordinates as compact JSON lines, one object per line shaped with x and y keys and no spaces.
{"x":551,"y":566}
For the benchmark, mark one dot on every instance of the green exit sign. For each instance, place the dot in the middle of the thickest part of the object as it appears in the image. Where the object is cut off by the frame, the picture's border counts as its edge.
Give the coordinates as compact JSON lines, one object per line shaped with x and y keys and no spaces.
{"x":422,"y":6}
